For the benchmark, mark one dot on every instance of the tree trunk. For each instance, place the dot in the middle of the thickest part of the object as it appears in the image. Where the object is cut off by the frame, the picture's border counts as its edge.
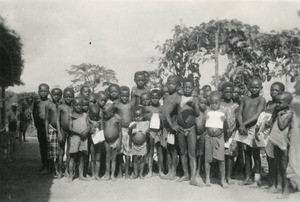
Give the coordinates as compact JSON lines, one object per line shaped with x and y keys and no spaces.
{"x":217,"y":58}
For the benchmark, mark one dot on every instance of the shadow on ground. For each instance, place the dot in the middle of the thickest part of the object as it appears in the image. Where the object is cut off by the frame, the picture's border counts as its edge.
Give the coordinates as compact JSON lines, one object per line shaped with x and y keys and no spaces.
{"x":19,"y":178}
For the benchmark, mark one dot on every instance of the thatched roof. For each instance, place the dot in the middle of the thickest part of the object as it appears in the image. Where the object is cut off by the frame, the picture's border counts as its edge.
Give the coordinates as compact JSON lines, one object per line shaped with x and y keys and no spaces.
{"x":11,"y":63}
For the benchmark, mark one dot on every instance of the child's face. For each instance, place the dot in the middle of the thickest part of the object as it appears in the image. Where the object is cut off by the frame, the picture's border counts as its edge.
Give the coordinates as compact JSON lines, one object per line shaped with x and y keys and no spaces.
{"x":56,"y":95}
{"x":281,"y":103}
{"x":92,"y":100}
{"x":138,"y":115}
{"x":78,"y":105}
{"x":85,"y":106}
{"x":255,"y":87}
{"x":145,"y":99}
{"x":140,"y":81}
{"x":108,"y":111}
{"x":227,"y":93}
{"x":275,"y":90}
{"x":203,"y":105}
{"x":236,"y":93}
{"x":215,"y":102}
{"x":155,"y":99}
{"x":43,"y":91}
{"x":68,"y":97}
{"x":171,"y":85}
{"x":85,"y":92}
{"x":124,"y":97}
{"x":113,"y":93}
{"x":188,"y":88}
{"x":102,"y":100}
{"x":94,"y":116}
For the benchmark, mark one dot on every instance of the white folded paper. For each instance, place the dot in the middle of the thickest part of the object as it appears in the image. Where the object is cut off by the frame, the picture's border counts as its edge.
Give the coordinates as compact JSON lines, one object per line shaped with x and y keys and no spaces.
{"x":155,"y":121}
{"x":141,"y":126}
{"x":185,"y":100}
{"x":214,"y":119}
{"x":171,"y":138}
{"x":98,"y":136}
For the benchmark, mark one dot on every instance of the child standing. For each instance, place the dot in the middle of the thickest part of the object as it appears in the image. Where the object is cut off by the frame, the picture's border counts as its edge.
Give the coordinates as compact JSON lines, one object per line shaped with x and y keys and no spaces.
{"x":113,"y":138}
{"x":79,"y":128}
{"x":140,"y":88}
{"x":249,"y":110}
{"x":230,"y":109}
{"x":216,"y":125}
{"x":51,"y":115}
{"x":114,"y":92}
{"x":38,"y":114}
{"x":124,"y":109}
{"x":138,"y":132}
{"x":64,"y":111}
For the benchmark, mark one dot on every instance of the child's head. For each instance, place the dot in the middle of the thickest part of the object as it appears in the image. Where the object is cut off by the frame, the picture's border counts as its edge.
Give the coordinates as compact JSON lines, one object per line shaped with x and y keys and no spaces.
{"x":172,"y":83}
{"x":94,"y":113}
{"x":14,"y":106}
{"x":237,"y":92}
{"x":43,"y":90}
{"x":203,"y":103}
{"x":140,"y":79}
{"x":187,"y":87}
{"x":139,"y":113}
{"x":92,"y":99}
{"x":145,"y":99}
{"x":206,"y":88}
{"x":114,"y":91}
{"x":68,"y":95}
{"x":102,"y":98}
{"x":201,"y":93}
{"x":276,"y":89}
{"x":155,"y":96}
{"x":215,"y":100}
{"x":77,"y":104}
{"x":85,"y":105}
{"x":147,"y":76}
{"x":283,"y":100}
{"x":227,"y":91}
{"x":108,"y":111}
{"x":56,"y":94}
{"x":124,"y":94}
{"x":255,"y":86}
{"x":85,"y":91}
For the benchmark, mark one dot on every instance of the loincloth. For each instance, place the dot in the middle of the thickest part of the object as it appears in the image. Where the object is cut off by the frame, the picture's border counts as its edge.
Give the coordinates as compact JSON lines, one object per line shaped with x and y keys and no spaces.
{"x":247,"y":139}
{"x":214,"y":148}
{"x":53,"y":143}
{"x":270,"y":149}
{"x":188,"y":131}
{"x":139,"y":150}
{"x":126,"y":150}
{"x":231,"y":149}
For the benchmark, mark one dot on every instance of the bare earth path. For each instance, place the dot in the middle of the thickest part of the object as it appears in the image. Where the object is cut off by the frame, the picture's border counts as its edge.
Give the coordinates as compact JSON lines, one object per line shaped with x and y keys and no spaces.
{"x":20,"y":181}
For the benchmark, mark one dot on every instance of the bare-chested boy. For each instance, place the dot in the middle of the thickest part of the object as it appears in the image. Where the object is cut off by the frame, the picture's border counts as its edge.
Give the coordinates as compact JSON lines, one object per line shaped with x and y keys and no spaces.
{"x":79,"y":128}
{"x":38,"y":114}
{"x":187,"y":110}
{"x":172,"y":85}
{"x":96,"y":147}
{"x":140,"y":79}
{"x":85,"y":91}
{"x":51,"y":115}
{"x":249,"y":110}
{"x":64,"y":111}
{"x":139,"y":140}
{"x":237,"y":95}
{"x":214,"y":140}
{"x":113,"y":139}
{"x":124,"y":109}
{"x":156,"y":138}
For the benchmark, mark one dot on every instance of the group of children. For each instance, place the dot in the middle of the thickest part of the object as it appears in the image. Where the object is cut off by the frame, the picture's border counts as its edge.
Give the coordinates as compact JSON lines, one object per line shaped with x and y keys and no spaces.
{"x":126,"y":128}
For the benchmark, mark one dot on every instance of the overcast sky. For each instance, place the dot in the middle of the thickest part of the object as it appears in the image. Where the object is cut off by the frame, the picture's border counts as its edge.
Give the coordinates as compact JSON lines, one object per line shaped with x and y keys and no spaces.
{"x":123,"y":34}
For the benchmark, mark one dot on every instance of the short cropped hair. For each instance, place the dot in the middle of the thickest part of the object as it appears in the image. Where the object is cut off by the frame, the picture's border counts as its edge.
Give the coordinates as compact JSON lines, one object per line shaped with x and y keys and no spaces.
{"x":188,"y":80}
{"x":281,"y":85}
{"x":140,"y":108}
{"x":58,"y":89}
{"x":124,"y":88}
{"x":226,"y":85}
{"x":114,"y":85}
{"x":68,"y":89}
{"x":139,"y":73}
{"x":155,"y":91}
{"x":44,"y":84}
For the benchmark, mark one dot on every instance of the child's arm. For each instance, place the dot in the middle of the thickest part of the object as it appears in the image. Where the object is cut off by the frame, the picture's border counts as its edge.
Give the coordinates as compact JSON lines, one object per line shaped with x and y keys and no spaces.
{"x":34,"y":113}
{"x":59,"y":136}
{"x":260,"y":109}
{"x":47,"y":120}
{"x":133,"y":98}
{"x":71,"y":128}
{"x":120,"y":135}
{"x":169,"y":108}
{"x":85,"y":133}
{"x":240,"y":117}
{"x":283,"y":123}
{"x":195,"y":105}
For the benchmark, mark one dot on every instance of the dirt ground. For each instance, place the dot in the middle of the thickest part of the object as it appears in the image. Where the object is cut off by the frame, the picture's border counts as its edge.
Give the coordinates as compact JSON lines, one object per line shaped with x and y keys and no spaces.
{"x":20,"y":181}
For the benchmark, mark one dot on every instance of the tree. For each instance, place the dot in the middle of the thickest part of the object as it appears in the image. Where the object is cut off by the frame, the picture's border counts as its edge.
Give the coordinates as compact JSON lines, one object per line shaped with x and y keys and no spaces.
{"x":91,"y":75}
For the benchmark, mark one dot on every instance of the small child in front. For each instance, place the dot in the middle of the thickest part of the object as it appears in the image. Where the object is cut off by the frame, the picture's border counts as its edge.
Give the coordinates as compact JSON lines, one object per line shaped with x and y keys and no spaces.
{"x":216,"y":125}
{"x":79,"y":128}
{"x":145,"y":99}
{"x":138,"y":139}
{"x":64,"y":111}
{"x":51,"y":115}
{"x":113,"y":139}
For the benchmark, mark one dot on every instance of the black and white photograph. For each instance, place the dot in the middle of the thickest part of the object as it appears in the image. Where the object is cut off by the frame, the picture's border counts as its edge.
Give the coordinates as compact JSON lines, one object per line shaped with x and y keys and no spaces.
{"x":149,"y":100}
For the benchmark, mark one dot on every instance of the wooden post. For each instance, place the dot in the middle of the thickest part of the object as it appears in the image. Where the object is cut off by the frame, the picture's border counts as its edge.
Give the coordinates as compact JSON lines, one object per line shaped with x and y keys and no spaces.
{"x":217,"y":58}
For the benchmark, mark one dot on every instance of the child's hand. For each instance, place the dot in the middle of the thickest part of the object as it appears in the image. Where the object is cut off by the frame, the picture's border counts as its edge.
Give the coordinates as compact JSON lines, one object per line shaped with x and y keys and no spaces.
{"x":131,"y":126}
{"x":176,"y":129}
{"x":59,"y":137}
{"x":257,"y":136}
{"x":191,"y":103}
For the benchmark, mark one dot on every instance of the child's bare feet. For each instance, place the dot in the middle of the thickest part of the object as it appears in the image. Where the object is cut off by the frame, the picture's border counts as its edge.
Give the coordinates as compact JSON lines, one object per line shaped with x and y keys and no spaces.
{"x":224,"y":184}
{"x":207,"y":182}
{"x":161,"y":175}
{"x":194,"y":182}
{"x":97,"y":178}
{"x":183,"y":178}
{"x":120,"y":176}
{"x":149,"y":175}
{"x":106,"y":177}
{"x":134,"y":176}
{"x":247,"y":181}
{"x":127,"y":176}
{"x":113,"y":178}
{"x":81,"y":178}
{"x":283,"y":196}
{"x":230,"y":181}
{"x":170,"y":176}
{"x":70,"y":178}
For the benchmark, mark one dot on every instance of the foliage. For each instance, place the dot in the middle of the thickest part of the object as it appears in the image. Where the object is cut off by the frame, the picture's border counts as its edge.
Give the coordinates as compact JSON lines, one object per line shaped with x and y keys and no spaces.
{"x":250,"y":52}
{"x":11,"y":62}
{"x":91,"y":75}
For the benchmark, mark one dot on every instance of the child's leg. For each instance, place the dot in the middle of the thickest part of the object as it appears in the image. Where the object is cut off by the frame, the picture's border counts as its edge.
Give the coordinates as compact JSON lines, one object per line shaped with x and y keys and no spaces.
{"x":160,"y":159}
{"x":113,"y":164}
{"x":248,"y":158}
{"x":108,"y":159}
{"x":73,"y":157}
{"x":135,"y":167}
{"x":183,"y":156}
{"x":82,"y":160}
{"x":142,"y":163}
{"x":257,"y":166}
{"x":222,"y":173}
{"x":272,"y":175}
{"x":172,"y":162}
{"x":150,"y":156}
{"x":120,"y":165}
{"x":207,"y":174}
{"x":61,"y":153}
{"x":97,"y":165}
{"x":127,"y":162}
{"x":229,"y":164}
{"x":93,"y":160}
{"x":283,"y":161}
